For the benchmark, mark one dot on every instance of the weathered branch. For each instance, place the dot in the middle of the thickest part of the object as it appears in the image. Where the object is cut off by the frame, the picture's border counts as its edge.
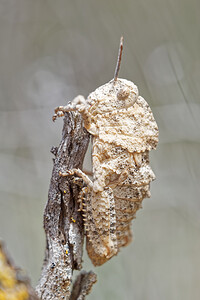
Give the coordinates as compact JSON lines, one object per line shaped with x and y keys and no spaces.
{"x":62,"y":222}
{"x":83,"y":284}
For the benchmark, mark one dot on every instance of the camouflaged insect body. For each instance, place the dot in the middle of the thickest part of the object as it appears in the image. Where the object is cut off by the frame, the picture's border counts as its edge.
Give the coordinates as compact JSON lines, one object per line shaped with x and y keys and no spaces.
{"x":123,"y":130}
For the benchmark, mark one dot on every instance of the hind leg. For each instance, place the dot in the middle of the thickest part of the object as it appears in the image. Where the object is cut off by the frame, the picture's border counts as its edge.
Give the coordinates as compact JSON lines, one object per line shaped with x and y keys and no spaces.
{"x":98,"y":211}
{"x":100,"y":223}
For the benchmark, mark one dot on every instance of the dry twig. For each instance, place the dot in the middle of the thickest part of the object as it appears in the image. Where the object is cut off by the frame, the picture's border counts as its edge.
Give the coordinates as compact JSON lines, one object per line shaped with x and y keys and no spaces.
{"x":62,"y":222}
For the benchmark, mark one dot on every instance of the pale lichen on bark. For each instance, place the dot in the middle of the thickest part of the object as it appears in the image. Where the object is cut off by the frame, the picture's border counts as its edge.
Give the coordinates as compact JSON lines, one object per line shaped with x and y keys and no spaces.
{"x":63,"y":223}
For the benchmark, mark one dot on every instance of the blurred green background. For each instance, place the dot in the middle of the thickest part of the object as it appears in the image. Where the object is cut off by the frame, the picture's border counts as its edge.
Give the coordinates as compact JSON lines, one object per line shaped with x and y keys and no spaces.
{"x":51,"y":51}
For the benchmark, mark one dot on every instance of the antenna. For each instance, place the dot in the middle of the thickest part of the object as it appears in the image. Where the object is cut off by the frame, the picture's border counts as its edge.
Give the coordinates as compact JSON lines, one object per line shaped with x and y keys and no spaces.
{"x":119,"y":58}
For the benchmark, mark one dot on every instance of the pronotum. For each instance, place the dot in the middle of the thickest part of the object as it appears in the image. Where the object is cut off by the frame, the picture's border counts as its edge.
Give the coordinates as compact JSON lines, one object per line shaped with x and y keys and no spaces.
{"x":123,"y":132}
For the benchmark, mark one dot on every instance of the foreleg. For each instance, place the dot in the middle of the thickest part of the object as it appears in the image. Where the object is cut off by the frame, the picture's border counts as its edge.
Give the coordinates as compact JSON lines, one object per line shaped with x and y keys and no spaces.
{"x":78,"y":103}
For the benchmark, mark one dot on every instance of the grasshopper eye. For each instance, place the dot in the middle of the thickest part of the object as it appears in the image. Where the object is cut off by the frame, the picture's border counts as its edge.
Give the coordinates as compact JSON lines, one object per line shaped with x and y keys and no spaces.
{"x":123,"y":93}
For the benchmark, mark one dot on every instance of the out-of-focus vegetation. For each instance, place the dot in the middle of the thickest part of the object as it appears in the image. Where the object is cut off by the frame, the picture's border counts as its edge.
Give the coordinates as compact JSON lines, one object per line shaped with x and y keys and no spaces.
{"x":52,"y":51}
{"x":10,"y":287}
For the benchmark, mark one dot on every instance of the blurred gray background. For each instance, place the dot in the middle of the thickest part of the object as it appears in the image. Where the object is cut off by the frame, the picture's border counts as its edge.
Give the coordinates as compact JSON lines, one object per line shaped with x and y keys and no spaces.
{"x":51,"y":51}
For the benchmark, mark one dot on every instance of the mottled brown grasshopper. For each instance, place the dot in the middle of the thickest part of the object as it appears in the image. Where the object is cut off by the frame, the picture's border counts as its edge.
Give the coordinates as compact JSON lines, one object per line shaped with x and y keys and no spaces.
{"x":123,"y":132}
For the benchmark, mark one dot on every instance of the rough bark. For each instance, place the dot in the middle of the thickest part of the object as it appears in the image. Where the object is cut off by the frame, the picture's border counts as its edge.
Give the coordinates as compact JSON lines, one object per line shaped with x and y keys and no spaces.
{"x":82,"y":286}
{"x":62,"y":222}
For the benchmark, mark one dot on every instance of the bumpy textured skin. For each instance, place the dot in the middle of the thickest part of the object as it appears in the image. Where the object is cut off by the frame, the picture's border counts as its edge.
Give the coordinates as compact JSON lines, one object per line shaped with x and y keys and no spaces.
{"x":124,"y":131}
